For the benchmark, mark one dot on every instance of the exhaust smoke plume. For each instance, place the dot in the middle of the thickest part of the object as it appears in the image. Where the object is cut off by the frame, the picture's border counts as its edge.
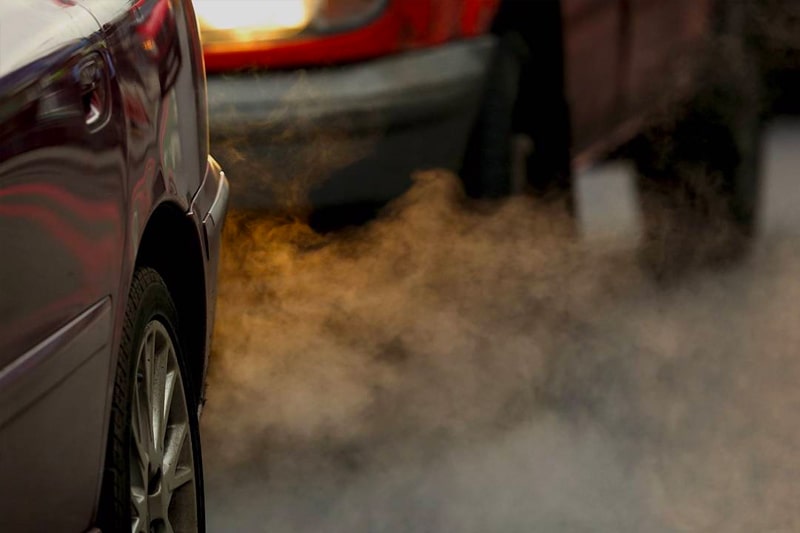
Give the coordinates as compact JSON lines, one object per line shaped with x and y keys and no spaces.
{"x":473,"y":370}
{"x":291,"y":146}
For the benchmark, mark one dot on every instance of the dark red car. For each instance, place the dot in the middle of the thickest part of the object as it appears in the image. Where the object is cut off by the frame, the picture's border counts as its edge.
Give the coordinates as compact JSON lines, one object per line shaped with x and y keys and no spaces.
{"x":110,"y":216}
{"x":345,"y":99}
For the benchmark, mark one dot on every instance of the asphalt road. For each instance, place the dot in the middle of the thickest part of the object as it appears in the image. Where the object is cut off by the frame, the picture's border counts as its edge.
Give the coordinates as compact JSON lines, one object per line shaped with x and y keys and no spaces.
{"x":448,"y":370}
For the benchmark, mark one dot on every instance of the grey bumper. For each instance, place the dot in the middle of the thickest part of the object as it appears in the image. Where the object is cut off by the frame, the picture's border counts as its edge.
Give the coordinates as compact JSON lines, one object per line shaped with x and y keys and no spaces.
{"x":403,"y":88}
{"x":349,"y":133}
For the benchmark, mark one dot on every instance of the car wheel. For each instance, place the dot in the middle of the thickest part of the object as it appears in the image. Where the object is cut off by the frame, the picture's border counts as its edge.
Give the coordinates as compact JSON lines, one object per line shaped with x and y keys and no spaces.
{"x":523,"y":96}
{"x":698,"y":165}
{"x":153,"y":479}
{"x":486,"y":170}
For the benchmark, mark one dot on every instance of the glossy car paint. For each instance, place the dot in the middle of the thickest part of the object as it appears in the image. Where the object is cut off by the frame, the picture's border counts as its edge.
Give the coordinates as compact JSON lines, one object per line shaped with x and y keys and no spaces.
{"x":103,"y":149}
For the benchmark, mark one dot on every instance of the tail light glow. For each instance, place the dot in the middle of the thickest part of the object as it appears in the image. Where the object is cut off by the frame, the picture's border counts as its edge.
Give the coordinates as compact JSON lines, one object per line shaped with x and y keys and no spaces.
{"x":332,"y":31}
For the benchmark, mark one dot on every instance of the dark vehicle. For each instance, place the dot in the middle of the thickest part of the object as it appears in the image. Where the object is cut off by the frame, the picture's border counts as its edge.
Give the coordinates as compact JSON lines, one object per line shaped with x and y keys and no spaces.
{"x":402,"y":85}
{"x":110,"y":216}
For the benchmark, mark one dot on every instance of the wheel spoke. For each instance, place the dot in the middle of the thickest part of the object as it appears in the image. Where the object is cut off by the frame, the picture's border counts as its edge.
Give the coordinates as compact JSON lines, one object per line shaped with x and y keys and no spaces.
{"x":140,"y":517}
{"x":175,"y":475}
{"x":160,"y":358}
{"x":182,"y":476}
{"x":139,"y":426}
{"x":169,"y":392}
{"x":137,"y":526}
{"x":149,"y":354}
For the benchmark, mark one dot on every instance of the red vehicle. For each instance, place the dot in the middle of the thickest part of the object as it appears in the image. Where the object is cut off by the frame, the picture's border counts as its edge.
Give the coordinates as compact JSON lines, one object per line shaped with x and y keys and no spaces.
{"x":439,"y":83}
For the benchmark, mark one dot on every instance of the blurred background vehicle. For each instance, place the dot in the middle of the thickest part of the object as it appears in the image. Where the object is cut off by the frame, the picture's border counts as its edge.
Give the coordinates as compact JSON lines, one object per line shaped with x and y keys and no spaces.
{"x":335,"y":104}
{"x":110,"y":216}
{"x":385,"y":88}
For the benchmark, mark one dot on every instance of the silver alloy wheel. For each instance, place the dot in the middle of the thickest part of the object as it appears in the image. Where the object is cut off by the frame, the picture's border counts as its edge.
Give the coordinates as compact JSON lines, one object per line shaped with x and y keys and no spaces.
{"x":163,"y":490}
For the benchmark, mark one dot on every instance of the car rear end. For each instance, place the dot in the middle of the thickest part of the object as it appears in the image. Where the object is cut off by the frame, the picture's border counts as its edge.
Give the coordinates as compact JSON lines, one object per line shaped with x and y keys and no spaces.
{"x":337,"y":102}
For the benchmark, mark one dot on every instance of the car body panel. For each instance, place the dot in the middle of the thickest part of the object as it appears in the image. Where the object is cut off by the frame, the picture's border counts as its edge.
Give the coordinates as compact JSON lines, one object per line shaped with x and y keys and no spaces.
{"x":592,"y":33}
{"x":51,"y":431}
{"x":624,"y":58}
{"x":61,"y":205}
{"x":158,"y":58}
{"x":102,"y":123}
{"x":60,"y":199}
{"x":659,"y":41}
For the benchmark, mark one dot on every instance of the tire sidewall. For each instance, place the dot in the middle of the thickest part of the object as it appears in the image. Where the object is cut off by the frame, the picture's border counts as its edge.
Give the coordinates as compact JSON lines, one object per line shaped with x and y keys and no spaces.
{"x":149,"y":300}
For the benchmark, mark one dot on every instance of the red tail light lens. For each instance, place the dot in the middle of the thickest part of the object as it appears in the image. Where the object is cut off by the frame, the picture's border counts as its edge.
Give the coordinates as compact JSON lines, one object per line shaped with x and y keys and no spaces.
{"x":326,"y":32}
{"x":253,"y":21}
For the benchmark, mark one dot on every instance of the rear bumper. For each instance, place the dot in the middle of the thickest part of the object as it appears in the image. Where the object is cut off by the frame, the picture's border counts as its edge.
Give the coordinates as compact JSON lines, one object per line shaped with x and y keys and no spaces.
{"x":346,"y":134}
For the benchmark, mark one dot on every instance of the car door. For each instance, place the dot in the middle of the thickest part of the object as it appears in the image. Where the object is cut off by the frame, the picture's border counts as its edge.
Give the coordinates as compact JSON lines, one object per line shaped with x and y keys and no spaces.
{"x":592,"y":32}
{"x":62,"y":161}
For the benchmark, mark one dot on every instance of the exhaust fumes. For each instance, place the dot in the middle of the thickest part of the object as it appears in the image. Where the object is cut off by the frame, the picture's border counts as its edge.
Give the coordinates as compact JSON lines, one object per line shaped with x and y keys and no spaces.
{"x":293,"y":130}
{"x":477,"y":368}
{"x":462,"y":366}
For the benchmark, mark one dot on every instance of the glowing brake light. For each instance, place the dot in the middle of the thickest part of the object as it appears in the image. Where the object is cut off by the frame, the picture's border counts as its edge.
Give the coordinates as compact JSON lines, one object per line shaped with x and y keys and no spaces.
{"x":233,"y":21}
{"x":240,"y":34}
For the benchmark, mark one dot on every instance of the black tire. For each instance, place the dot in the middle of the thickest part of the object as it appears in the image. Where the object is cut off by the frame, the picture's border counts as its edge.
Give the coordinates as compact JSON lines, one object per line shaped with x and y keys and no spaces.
{"x":486,"y":170}
{"x":523,"y":95}
{"x":149,"y":301}
{"x":729,"y":107}
{"x":698,"y":165}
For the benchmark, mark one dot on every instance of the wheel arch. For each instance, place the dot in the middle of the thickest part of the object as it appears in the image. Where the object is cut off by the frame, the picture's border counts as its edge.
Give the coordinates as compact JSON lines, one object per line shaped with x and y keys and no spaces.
{"x":171,"y":245}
